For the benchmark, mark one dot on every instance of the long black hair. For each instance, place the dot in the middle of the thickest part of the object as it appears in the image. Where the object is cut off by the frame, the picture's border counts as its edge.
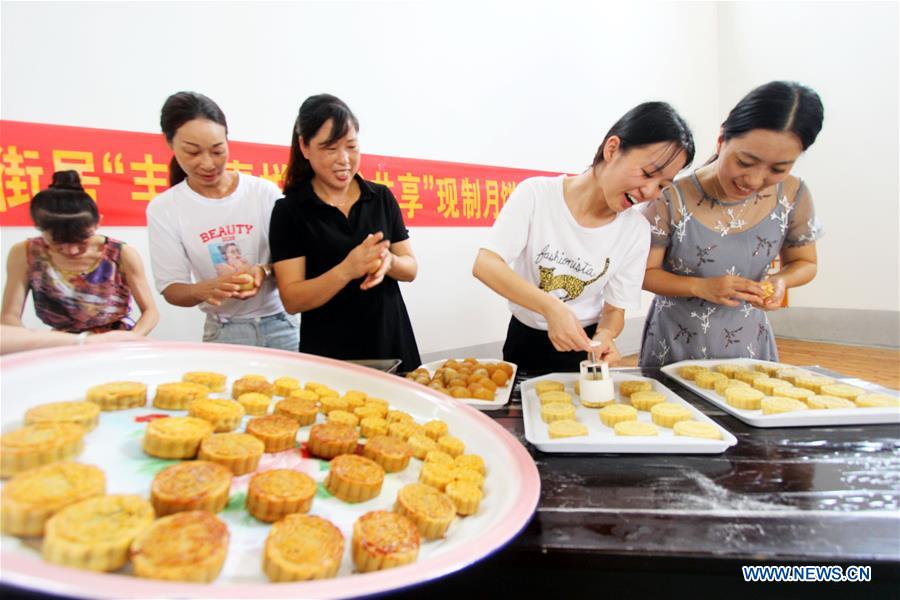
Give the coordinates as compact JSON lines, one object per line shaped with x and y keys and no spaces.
{"x":64,"y":209}
{"x":314,"y":113}
{"x":179,"y":109}
{"x":778,"y":106}
{"x":651,"y":123}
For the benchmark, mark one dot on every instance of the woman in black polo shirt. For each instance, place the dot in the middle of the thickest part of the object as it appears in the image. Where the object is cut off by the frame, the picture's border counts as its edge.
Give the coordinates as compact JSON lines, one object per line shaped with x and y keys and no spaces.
{"x":339,"y":245}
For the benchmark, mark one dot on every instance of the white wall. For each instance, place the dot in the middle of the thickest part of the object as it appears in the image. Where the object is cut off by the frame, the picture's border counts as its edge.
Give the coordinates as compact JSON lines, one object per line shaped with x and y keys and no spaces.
{"x":848,"y":53}
{"x":511,"y":84}
{"x":517,"y":84}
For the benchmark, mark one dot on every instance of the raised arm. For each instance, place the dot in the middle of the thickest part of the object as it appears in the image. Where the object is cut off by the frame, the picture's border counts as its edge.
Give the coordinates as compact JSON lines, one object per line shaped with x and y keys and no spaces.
{"x":397,"y":262}
{"x":563,"y":327}
{"x":299,"y":294}
{"x":799,"y":267}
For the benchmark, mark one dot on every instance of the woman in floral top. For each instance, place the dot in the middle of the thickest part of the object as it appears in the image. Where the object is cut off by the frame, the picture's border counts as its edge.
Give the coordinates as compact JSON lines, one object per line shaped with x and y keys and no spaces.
{"x":716,"y":232}
{"x":81,"y":282}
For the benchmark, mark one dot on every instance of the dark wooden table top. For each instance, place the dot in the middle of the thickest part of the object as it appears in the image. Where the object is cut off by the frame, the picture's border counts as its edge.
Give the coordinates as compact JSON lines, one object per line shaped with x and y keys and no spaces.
{"x":799,"y":495}
{"x":779,"y":494}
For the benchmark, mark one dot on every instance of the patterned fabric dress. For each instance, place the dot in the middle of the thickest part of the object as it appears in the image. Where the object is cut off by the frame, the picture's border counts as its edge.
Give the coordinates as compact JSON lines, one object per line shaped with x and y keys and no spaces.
{"x":97,"y":300}
{"x":682,"y":328}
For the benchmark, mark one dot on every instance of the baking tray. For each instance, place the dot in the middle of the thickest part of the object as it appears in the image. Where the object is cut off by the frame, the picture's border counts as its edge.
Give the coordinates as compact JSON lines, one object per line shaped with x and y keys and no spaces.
{"x":803,"y":418}
{"x":601,"y":438}
{"x":501,"y":396}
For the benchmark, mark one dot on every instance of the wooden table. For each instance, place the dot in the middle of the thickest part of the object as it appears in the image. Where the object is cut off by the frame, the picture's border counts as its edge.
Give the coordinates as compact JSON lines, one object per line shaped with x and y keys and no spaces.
{"x":640,"y":524}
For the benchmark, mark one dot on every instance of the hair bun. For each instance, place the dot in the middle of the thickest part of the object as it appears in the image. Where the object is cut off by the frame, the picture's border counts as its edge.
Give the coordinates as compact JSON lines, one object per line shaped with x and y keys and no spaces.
{"x":67,"y":180}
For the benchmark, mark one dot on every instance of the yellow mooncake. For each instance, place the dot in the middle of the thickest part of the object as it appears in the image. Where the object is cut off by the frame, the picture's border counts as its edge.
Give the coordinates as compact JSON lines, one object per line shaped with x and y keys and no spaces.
{"x":465,"y":495}
{"x":33,"y":496}
{"x":646,"y":399}
{"x":178,"y":395}
{"x":186,"y":546}
{"x":96,"y":533}
{"x":118,"y":395}
{"x":616,"y":413}
{"x":431,"y":510}
{"x":277,"y":432}
{"x":391,"y":453}
{"x":214,"y":381}
{"x":302,"y":547}
{"x":697,"y":430}
{"x":224,"y":415}
{"x":39,"y":444}
{"x":354,"y":478}
{"x":239,"y":452}
{"x":175,"y":437}
{"x":273,"y":494}
{"x":86,"y":414}
{"x":666,"y":414}
{"x":630,"y":386}
{"x":383,"y":540}
{"x":194,"y":485}
{"x":327,"y":440}
{"x":772,"y":405}
{"x":302,"y":410}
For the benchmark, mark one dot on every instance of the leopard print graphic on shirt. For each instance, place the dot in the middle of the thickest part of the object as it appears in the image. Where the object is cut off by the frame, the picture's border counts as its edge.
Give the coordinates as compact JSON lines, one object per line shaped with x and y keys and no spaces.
{"x":571,"y":285}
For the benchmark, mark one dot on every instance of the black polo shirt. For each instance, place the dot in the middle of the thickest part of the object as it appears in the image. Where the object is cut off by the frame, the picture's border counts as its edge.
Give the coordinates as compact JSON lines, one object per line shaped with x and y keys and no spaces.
{"x":355,"y":323}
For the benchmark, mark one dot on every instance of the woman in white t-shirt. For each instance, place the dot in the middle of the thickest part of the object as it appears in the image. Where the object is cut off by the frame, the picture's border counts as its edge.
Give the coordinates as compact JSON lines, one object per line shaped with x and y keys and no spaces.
{"x":567,"y":253}
{"x":209,"y":233}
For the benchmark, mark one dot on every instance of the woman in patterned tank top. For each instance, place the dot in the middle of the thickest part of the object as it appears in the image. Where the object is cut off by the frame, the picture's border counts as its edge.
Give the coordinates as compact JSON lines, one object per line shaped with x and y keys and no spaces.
{"x":80,"y":281}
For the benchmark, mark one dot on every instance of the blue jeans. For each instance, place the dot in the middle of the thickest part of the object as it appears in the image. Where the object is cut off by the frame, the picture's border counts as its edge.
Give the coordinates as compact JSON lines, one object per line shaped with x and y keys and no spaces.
{"x":281,"y":331}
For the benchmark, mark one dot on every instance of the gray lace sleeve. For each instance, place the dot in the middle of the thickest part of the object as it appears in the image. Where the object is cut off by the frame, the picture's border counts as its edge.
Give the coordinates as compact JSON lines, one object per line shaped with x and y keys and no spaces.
{"x":657,"y":213}
{"x":803,"y":225}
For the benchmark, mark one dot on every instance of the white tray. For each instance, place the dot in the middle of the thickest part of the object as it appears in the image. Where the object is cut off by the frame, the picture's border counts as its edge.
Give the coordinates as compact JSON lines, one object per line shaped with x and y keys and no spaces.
{"x":803,"y":418}
{"x":501,"y":396}
{"x":601,"y":438}
{"x":511,"y":490}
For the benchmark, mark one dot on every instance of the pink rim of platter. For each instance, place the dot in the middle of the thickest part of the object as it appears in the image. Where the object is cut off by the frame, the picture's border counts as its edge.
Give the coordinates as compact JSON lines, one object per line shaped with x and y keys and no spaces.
{"x":31,"y":572}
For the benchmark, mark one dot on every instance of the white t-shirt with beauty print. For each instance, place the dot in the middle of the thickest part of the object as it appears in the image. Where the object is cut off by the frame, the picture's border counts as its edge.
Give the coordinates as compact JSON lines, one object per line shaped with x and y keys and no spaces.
{"x":537,"y":235}
{"x":194,"y":238}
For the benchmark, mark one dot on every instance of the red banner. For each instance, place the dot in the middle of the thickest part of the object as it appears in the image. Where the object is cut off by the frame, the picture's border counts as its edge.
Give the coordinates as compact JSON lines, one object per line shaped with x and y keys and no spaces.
{"x":124,"y":170}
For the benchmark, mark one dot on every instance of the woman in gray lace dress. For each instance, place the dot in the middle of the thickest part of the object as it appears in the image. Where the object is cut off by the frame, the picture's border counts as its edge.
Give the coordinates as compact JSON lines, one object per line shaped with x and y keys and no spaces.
{"x":716,"y":232}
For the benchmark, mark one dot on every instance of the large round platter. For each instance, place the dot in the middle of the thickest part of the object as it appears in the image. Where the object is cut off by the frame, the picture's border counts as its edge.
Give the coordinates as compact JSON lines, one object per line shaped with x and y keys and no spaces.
{"x":511,"y":489}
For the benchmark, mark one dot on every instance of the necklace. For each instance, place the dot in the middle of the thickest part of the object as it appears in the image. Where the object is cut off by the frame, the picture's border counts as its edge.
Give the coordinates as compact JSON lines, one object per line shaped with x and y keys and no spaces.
{"x":733,"y":219}
{"x":323,"y":197}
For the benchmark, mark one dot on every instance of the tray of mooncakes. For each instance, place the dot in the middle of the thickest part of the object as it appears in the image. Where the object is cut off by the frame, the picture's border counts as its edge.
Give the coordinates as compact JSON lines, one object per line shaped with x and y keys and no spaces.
{"x":769,"y":394}
{"x":643,"y":416}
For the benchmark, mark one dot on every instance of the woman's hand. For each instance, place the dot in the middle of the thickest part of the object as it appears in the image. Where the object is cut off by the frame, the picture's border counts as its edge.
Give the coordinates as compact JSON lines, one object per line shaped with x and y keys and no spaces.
{"x":214,"y":291}
{"x":565,"y":330}
{"x":603,"y":347}
{"x":730,"y":290}
{"x":114,"y":336}
{"x":366,"y":258}
{"x":373,"y":279}
{"x":258,"y":274}
{"x":776,"y":297}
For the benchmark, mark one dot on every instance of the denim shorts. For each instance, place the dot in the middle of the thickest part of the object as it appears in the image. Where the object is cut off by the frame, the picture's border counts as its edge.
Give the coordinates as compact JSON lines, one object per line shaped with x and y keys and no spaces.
{"x":281,"y":331}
